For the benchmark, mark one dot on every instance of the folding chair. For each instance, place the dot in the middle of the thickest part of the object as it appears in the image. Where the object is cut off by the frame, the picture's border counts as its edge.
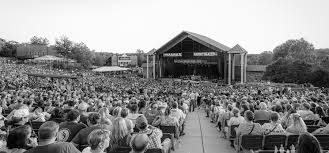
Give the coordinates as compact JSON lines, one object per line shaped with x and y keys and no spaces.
{"x":233,"y":132}
{"x":323,"y":140}
{"x":123,"y":150}
{"x":292,"y":140}
{"x":81,"y":147}
{"x":261,"y":122}
{"x":325,"y":119}
{"x":36,"y":126}
{"x":251,"y":142}
{"x":309,"y":122}
{"x":274,"y":140}
{"x":171,"y":130}
{"x":312,"y":128}
{"x":6,"y":112}
{"x":153,"y":151}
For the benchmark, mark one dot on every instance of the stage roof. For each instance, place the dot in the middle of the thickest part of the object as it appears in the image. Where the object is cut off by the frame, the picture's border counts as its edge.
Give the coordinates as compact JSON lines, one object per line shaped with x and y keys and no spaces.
{"x":206,"y":41}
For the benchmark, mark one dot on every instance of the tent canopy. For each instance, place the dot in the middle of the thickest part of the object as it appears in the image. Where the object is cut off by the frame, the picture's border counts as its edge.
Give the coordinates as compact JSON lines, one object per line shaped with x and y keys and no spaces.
{"x":53,"y":58}
{"x":110,"y":69}
{"x":48,"y":58}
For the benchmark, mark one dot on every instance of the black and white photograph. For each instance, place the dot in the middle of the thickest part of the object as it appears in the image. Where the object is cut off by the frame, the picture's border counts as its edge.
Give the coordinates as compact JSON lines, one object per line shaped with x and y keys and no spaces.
{"x":164,"y":76}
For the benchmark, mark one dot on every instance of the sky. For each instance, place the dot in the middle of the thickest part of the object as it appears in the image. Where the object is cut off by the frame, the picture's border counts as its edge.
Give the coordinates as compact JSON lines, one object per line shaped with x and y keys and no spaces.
{"x":123,"y":26}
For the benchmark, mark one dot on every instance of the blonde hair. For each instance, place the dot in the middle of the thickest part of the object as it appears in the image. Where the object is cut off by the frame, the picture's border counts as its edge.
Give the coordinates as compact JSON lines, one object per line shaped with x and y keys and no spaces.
{"x":119,"y":130}
{"x":117,"y":112}
{"x":298,"y":123}
{"x":97,"y":137}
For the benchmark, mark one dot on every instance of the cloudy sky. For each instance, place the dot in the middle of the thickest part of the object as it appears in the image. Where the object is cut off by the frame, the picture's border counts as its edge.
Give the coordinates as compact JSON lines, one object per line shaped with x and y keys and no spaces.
{"x":127,"y":25}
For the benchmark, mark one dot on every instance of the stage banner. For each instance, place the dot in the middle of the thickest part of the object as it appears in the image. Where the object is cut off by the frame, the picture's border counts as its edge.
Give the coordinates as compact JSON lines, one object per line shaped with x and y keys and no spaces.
{"x":190,"y":61}
{"x":172,"y":55}
{"x":205,"y":54}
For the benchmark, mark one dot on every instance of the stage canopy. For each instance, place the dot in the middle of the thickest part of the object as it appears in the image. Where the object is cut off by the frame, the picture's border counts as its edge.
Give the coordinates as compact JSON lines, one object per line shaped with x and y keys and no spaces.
{"x":48,"y":58}
{"x":110,"y":69}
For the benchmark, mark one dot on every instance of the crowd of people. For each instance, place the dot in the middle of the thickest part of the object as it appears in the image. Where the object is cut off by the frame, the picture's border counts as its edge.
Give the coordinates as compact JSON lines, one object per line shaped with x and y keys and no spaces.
{"x":95,"y":113}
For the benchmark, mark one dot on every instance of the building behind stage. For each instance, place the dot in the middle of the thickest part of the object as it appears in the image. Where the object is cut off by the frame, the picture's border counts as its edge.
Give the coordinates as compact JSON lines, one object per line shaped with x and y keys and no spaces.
{"x":124,"y":60}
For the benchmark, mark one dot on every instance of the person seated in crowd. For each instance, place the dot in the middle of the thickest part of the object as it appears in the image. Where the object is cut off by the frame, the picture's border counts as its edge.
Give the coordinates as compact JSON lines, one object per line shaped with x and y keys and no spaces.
{"x":307,"y":143}
{"x":249,"y":127}
{"x":81,"y":138}
{"x":129,"y":123}
{"x":152,"y":113}
{"x":105,"y":118}
{"x":319,"y":114}
{"x":132,"y":115}
{"x":167,"y":120}
{"x":139,"y":143}
{"x":68,"y":106}
{"x":57,"y":115}
{"x":116,"y":113}
{"x":286,"y":119}
{"x":98,"y":141}
{"x":47,"y":141}
{"x":69,"y":128}
{"x":19,"y":139}
{"x":262,"y":113}
{"x":305,"y":112}
{"x":20,"y":117}
{"x":39,"y":116}
{"x":236,"y":119}
{"x":120,"y":134}
{"x":153,"y":133}
{"x":298,"y":126}
{"x":82,"y":107}
{"x":273,"y":128}
{"x":244,"y":108}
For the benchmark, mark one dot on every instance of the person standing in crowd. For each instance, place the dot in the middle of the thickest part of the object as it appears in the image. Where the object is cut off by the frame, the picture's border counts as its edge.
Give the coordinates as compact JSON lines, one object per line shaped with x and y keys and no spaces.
{"x":47,"y":141}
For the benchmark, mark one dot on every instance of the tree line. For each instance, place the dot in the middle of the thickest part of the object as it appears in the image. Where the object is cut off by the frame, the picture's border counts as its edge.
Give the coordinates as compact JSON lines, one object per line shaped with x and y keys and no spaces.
{"x":297,"y":61}
{"x":67,"y":48}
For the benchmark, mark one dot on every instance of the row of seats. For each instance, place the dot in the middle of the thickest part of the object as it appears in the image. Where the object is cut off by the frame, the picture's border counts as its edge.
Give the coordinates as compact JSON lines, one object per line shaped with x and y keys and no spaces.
{"x":168,"y":132}
{"x":268,"y":142}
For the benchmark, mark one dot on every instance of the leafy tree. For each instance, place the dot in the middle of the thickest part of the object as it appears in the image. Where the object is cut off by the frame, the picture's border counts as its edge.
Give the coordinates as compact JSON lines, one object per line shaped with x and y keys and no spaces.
{"x":296,"y":48}
{"x":82,"y":54}
{"x":108,"y":61}
{"x":35,"y":40}
{"x":64,"y":46}
{"x":253,"y":59}
{"x":265,"y":58}
{"x":9,"y":49}
{"x":289,"y":71}
{"x":141,"y":57}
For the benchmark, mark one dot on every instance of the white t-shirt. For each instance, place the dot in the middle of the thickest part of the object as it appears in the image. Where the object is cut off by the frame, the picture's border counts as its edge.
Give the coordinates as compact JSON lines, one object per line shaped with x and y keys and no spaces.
{"x":235,"y":120}
{"x":86,"y":150}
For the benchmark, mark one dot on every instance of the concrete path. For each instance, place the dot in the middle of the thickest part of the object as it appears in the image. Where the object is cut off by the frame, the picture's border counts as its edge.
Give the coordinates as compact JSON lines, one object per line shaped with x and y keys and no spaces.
{"x":201,"y":136}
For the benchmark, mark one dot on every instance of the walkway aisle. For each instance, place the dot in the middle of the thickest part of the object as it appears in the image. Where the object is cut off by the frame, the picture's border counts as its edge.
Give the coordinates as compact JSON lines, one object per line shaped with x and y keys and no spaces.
{"x":201,"y":136}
